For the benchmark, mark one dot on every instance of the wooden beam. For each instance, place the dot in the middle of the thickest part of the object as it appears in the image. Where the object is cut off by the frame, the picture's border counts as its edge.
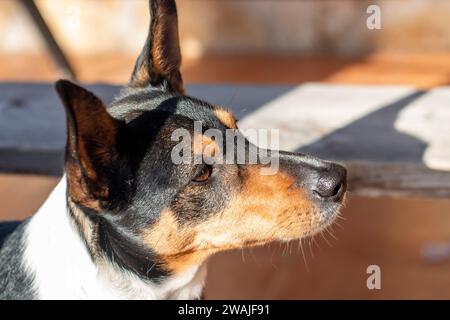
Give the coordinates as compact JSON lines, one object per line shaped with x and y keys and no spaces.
{"x":397,"y":180}
{"x":394,"y":140}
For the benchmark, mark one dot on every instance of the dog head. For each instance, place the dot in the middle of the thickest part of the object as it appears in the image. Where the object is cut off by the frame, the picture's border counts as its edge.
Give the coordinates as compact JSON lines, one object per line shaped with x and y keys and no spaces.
{"x":137,"y":208}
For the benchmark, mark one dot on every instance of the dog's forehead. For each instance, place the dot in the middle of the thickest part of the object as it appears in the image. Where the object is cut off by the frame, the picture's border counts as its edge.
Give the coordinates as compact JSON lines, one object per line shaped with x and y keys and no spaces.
{"x":131,"y":104}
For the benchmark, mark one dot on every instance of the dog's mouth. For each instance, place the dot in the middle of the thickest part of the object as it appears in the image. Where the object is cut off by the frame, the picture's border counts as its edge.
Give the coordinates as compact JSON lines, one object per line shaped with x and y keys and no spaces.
{"x":327,"y":218}
{"x":284,"y":233}
{"x":179,"y":260}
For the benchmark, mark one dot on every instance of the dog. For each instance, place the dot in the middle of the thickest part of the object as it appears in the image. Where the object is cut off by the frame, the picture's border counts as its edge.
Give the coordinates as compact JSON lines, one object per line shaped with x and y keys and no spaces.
{"x":126,"y":222}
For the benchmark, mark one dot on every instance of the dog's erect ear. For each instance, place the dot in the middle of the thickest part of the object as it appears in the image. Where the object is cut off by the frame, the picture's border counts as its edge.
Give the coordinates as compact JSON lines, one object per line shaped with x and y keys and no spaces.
{"x":91,"y":144}
{"x":160,"y":59}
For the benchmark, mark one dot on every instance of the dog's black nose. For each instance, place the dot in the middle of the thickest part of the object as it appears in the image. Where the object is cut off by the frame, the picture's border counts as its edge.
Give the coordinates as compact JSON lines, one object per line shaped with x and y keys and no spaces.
{"x":332,"y":183}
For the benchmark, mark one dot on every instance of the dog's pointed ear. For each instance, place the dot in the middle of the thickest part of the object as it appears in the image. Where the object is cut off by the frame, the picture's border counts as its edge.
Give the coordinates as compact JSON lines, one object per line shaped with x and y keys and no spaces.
{"x":91,"y":144}
{"x":160,"y":60}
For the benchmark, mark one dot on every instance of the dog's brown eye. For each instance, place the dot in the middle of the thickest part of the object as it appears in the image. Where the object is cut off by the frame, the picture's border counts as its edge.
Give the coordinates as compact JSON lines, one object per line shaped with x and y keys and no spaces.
{"x":204,"y":174}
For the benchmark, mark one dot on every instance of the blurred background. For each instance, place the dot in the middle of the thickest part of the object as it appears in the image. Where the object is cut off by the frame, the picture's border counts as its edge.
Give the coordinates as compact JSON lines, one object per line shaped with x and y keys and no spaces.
{"x":266,"y":42}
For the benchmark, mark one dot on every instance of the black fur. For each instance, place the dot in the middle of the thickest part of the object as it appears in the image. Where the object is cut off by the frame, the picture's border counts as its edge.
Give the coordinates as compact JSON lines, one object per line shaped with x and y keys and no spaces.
{"x":126,"y":251}
{"x":6,"y":228}
{"x":16,"y":282}
{"x":156,"y":183}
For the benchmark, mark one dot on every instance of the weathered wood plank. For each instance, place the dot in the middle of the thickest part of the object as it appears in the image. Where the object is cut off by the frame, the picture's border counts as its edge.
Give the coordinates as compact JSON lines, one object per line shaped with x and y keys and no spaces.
{"x":395,"y":140}
{"x":397,"y":180}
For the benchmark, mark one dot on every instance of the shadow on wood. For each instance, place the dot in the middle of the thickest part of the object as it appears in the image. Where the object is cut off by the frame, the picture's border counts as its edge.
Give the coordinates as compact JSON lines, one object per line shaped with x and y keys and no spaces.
{"x":352,"y":124}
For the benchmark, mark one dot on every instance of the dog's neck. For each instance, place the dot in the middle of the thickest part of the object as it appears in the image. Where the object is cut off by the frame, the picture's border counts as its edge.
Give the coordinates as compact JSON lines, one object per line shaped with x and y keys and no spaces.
{"x":57,"y":256}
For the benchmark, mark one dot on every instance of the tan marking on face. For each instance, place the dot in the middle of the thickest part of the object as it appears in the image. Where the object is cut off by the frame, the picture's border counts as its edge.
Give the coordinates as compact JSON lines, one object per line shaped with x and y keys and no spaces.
{"x":167,"y":237}
{"x":204,"y":145}
{"x":268,"y":208}
{"x":226,"y":117}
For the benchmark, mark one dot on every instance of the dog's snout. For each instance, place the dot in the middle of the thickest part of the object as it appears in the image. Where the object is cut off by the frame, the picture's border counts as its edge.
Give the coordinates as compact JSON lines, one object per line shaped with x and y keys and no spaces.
{"x":331,"y":183}
{"x":326,"y":181}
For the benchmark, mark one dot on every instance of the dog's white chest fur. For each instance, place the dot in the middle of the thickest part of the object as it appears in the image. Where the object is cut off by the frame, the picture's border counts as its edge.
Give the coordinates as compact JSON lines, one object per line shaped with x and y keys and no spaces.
{"x":63,"y":269}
